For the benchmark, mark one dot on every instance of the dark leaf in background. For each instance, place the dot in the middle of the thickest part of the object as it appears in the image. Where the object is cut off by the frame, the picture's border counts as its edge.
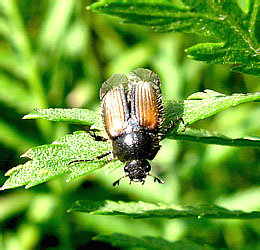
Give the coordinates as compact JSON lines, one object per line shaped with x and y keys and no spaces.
{"x":140,"y":210}
{"x":224,"y":20}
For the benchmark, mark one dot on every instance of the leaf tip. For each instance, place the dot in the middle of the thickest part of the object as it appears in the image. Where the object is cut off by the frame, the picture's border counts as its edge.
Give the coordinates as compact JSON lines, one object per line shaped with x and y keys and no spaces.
{"x":91,"y":7}
{"x":12,"y":170}
{"x":68,"y":180}
{"x":7,"y":185}
{"x":26,"y":154}
{"x":30,"y":115}
{"x":26,"y":117}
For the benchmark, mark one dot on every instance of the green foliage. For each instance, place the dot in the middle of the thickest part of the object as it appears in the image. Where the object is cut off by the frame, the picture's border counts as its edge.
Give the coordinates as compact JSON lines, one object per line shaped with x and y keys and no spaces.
{"x":121,"y":240}
{"x":204,"y":136}
{"x":49,"y":161}
{"x":56,"y":54}
{"x":224,"y":20}
{"x":202,"y":105}
{"x":141,"y":210}
{"x":77,"y":116}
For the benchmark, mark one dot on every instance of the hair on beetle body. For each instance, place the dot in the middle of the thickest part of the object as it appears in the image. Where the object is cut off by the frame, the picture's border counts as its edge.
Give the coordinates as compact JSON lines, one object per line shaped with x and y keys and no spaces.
{"x":132,"y":113}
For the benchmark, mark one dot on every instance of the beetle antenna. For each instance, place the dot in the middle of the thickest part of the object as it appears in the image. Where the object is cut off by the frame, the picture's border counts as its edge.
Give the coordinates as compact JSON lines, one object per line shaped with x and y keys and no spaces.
{"x":157,"y":179}
{"x":184,"y":125}
{"x":117,"y":182}
{"x":96,"y":158}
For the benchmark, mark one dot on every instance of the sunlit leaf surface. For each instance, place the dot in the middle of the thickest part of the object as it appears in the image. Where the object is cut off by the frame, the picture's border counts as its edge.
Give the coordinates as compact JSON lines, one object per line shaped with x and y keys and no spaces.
{"x":51,"y":160}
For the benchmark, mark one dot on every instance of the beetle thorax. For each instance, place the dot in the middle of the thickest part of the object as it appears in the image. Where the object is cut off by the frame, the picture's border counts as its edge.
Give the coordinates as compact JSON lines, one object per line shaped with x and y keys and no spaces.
{"x":135,"y":145}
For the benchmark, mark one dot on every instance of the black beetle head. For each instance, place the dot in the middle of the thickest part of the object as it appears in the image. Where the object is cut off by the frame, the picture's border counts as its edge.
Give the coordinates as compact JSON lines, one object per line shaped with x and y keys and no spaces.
{"x":137,"y":170}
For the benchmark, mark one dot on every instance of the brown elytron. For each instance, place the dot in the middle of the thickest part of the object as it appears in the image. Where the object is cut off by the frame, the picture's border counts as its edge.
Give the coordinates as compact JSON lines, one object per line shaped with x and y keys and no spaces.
{"x":115,"y":113}
{"x":145,"y":106}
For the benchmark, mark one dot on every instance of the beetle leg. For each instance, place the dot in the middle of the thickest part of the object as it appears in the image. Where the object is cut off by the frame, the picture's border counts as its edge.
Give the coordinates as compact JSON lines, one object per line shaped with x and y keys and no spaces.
{"x":97,"y":137}
{"x":175,"y":123}
{"x":96,"y":158}
{"x":92,"y":133}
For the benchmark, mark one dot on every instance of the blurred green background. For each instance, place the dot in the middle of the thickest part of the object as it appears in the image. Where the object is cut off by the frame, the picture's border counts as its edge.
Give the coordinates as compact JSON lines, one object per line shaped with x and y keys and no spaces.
{"x":57,"y":54}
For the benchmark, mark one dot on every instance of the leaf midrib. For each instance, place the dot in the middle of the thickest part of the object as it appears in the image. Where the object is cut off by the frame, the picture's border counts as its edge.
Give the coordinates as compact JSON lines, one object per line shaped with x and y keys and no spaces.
{"x":239,"y":31}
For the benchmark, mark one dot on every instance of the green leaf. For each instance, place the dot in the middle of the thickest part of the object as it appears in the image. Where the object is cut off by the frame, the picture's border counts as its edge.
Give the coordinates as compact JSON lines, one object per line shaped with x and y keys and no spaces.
{"x":221,"y":19}
{"x":122,"y":240}
{"x":199,"y":106}
{"x":21,"y":60}
{"x":204,"y":136}
{"x":49,"y":161}
{"x":246,"y":199}
{"x":14,"y":138}
{"x":21,"y":199}
{"x":141,"y":210}
{"x":202,"y":105}
{"x":78,"y":116}
{"x":14,"y":94}
{"x":51,"y":38}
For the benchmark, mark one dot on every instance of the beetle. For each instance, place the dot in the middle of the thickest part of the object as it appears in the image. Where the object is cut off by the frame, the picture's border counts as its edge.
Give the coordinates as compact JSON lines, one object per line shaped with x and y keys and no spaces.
{"x":132,"y":113}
